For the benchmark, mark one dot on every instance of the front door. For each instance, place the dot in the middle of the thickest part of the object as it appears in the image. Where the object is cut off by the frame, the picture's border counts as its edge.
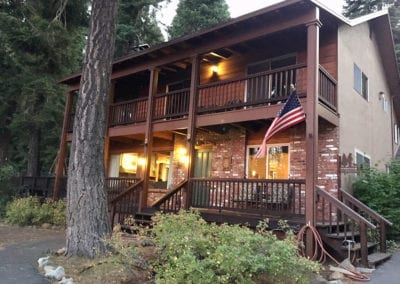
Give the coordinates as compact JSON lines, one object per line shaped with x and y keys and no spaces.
{"x":202,"y":169}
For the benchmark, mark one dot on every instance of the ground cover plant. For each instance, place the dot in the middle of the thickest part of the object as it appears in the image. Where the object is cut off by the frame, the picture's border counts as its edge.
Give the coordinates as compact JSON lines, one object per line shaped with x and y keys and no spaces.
{"x":193,"y":251}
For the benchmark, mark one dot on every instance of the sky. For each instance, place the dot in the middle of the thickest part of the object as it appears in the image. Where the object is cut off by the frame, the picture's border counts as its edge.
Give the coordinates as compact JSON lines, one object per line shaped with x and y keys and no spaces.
{"x":240,"y":7}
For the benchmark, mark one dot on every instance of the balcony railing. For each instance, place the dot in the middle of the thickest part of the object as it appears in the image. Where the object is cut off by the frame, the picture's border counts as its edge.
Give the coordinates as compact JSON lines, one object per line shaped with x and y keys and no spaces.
{"x":261,"y":88}
{"x":172,"y":104}
{"x":128,"y":112}
{"x":257,"y":89}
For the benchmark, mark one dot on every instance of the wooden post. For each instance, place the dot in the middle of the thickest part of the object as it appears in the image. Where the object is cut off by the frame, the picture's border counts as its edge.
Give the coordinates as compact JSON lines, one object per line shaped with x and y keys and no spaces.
{"x":364,"y":244}
{"x":312,"y":123}
{"x":382,"y":231}
{"x":62,"y":151}
{"x":148,"y":140}
{"x":191,"y":132}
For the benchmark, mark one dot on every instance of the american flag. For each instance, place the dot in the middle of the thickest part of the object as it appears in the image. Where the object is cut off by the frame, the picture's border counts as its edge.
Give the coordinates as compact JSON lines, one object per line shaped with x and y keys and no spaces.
{"x":290,"y":114}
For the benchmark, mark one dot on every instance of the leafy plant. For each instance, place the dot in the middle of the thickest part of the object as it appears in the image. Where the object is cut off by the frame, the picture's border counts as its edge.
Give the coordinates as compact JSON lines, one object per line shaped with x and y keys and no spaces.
{"x":193,"y":251}
{"x":7,"y":172}
{"x":381,"y":191}
{"x":29,"y":211}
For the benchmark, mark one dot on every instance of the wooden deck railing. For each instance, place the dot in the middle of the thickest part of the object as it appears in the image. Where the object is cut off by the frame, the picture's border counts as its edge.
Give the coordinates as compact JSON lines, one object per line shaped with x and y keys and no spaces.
{"x":327,"y":89}
{"x":335,"y":214}
{"x":265,"y":87}
{"x":117,"y":185}
{"x":41,"y":186}
{"x":126,"y":204}
{"x":268,"y":87}
{"x":375,"y":218}
{"x":251,"y":195}
{"x":174,"y":200}
{"x":127,"y":112}
{"x":172,"y":104}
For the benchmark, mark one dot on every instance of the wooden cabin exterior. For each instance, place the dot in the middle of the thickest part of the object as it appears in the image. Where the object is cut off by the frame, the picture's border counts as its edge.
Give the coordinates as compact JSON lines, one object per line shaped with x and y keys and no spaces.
{"x":187,"y":117}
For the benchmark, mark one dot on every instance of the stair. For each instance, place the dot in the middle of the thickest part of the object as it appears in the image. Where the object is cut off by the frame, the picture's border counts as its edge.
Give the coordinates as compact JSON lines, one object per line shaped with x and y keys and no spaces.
{"x":335,"y":237}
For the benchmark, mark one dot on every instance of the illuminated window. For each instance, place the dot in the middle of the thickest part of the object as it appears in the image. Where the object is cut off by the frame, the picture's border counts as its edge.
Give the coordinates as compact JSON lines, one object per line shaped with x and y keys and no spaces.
{"x":274,"y":166}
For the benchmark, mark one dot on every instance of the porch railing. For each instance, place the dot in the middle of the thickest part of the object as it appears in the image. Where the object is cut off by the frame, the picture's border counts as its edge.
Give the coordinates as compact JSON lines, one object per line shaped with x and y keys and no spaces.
{"x":343,"y":221}
{"x":41,"y":186}
{"x":265,"y":87}
{"x":372,"y":216}
{"x":132,"y":111}
{"x":172,"y":104}
{"x":273,"y":196}
{"x":174,"y":200}
{"x":126,"y":204}
{"x":117,"y":185}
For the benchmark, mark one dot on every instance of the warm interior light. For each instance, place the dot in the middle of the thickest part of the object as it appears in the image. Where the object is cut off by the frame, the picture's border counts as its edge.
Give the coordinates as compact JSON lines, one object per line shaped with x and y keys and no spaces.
{"x":129,"y":162}
{"x":141,"y":162}
{"x":214,"y":68}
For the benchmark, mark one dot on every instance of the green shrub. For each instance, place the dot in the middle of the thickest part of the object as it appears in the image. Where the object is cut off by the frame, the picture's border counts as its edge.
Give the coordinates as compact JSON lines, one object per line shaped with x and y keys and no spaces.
{"x":193,"y":251}
{"x":7,"y":172}
{"x":381,"y":191}
{"x":29,"y":211}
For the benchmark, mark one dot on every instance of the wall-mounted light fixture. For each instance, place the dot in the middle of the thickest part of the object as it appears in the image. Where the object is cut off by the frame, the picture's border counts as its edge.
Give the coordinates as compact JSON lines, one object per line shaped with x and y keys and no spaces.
{"x":182,"y":157}
{"x":214,"y":69}
{"x":381,"y":95}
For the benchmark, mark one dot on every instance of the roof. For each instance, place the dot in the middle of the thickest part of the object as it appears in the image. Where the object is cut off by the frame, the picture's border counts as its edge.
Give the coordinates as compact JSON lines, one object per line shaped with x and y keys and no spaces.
{"x":381,"y":19}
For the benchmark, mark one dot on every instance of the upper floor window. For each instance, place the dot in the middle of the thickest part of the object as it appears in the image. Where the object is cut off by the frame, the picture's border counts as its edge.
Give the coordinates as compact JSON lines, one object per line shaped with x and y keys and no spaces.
{"x":360,"y":82}
{"x":396,"y":134}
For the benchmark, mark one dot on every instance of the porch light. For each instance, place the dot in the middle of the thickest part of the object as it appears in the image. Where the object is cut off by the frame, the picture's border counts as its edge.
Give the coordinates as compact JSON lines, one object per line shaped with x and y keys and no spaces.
{"x":214,"y":69}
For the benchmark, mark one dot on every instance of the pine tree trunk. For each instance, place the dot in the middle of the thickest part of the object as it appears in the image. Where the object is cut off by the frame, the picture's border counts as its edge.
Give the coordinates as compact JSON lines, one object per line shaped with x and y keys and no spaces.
{"x":87,"y":213}
{"x":33,"y":153}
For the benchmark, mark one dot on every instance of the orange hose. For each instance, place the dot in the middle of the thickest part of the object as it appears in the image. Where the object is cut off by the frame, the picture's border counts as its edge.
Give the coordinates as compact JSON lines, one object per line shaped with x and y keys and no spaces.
{"x":320,"y":250}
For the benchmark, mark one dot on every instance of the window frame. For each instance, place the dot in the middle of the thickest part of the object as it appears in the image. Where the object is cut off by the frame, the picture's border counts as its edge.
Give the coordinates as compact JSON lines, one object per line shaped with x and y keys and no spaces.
{"x":360,"y":82}
{"x":364,"y":155}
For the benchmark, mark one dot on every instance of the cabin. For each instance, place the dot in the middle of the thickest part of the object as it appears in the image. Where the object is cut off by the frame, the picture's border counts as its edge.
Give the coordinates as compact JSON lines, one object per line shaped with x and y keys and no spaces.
{"x":187,"y":117}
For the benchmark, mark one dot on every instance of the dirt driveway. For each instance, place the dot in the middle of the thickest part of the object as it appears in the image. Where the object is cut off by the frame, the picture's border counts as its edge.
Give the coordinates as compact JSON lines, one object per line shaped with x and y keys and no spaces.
{"x":20,"y":247}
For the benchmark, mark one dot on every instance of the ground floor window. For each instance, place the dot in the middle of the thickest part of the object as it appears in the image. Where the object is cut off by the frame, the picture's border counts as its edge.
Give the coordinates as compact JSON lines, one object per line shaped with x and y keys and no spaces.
{"x":274,"y":166}
{"x":124,"y":165}
{"x":362,"y":159}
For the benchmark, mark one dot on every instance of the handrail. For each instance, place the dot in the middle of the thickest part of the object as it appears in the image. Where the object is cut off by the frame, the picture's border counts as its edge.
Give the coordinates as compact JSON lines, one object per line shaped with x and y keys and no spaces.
{"x":129,"y":101}
{"x":326,"y":73}
{"x":170,"y":193}
{"x":346,"y":209}
{"x":126,"y":191}
{"x":171,"y":92}
{"x":361,"y":206}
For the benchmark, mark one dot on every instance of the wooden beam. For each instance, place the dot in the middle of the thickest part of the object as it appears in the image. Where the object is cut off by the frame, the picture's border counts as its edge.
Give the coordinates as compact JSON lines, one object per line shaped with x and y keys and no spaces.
{"x":62,"y":151}
{"x":312,"y":123}
{"x":148,"y":140}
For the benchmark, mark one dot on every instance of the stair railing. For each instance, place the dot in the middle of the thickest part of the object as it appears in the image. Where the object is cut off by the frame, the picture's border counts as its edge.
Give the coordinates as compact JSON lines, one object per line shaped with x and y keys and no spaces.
{"x":174,"y":200}
{"x":126,"y":204}
{"x":374,"y":217}
{"x":334,"y":213}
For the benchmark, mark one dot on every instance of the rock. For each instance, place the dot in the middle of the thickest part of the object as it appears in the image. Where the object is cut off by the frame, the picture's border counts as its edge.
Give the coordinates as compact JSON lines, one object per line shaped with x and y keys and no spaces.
{"x":48,"y":268}
{"x":46,"y":226}
{"x":61,"y":251}
{"x":57,"y":273}
{"x":147,"y":243}
{"x":66,"y":281}
{"x":43,"y":261}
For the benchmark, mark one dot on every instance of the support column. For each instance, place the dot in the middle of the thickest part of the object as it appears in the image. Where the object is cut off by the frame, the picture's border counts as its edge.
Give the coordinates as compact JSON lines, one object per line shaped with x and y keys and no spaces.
{"x":191,"y":132}
{"x":312,"y":123}
{"x":62,"y":151}
{"x":148,"y":140}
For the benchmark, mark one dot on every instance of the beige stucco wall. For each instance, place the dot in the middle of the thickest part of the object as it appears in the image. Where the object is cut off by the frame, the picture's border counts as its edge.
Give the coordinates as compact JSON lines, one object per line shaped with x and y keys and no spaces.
{"x":364,"y":125}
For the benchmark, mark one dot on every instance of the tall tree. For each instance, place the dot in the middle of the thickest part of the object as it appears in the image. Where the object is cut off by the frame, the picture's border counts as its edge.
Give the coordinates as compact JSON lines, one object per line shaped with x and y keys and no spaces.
{"x":195,"y":15}
{"x":40,"y":41}
{"x":87,"y":218}
{"x":137,"y":25}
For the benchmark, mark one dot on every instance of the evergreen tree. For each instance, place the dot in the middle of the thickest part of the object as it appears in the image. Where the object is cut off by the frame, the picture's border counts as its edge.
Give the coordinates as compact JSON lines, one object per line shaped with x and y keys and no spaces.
{"x":87,"y":218}
{"x":40,"y":42}
{"x":137,"y":25}
{"x":195,"y":15}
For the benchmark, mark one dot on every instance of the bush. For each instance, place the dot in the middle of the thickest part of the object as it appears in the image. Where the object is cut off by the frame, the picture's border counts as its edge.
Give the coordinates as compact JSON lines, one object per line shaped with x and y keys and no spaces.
{"x":193,"y":251}
{"x":381,"y":191}
{"x":29,"y":211}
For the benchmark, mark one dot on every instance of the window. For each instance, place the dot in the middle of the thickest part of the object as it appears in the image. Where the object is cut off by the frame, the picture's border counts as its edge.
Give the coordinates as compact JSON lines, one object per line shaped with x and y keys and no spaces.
{"x":274,"y":166}
{"x":276,"y":84}
{"x":385,"y":104}
{"x":362,"y":160}
{"x":360,"y":82}
{"x":396,"y":134}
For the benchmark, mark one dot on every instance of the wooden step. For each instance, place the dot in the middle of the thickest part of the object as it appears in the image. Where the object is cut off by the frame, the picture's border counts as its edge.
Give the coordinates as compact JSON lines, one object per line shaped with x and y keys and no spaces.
{"x":377,"y":258}
{"x":343,"y":235}
{"x":357,"y":246}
